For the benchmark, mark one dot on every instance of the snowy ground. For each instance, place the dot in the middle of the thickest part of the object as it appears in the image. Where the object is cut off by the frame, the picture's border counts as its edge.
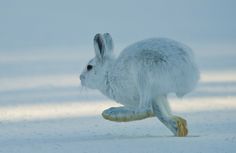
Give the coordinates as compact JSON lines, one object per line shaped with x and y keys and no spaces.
{"x":44,"y":109}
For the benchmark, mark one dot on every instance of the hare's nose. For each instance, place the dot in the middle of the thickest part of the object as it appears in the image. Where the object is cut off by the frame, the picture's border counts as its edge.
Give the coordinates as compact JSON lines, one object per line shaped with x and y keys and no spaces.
{"x":82,"y":77}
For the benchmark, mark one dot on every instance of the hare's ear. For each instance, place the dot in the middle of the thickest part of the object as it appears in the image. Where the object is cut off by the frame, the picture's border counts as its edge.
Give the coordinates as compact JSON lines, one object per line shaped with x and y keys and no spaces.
{"x":108,"y":43}
{"x":99,"y":46}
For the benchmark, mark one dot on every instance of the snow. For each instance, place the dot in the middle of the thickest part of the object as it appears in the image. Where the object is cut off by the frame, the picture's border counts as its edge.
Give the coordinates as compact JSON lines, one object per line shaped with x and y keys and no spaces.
{"x":43,"y":108}
{"x":44,"y":45}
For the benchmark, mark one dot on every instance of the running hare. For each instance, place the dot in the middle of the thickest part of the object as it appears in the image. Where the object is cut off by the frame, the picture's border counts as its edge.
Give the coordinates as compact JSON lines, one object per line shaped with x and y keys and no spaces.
{"x":141,"y":77}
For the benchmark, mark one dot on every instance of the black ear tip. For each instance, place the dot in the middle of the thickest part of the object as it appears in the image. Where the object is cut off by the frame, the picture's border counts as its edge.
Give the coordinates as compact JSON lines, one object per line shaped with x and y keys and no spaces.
{"x":96,"y":37}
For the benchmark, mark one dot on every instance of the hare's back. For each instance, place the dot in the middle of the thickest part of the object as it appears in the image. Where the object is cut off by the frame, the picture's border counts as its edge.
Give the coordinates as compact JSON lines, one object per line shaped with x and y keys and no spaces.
{"x":161,"y":46}
{"x":167,"y":64}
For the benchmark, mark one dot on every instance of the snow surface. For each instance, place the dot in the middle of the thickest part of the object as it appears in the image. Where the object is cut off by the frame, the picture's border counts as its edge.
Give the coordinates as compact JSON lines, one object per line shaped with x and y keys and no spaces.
{"x":44,"y":109}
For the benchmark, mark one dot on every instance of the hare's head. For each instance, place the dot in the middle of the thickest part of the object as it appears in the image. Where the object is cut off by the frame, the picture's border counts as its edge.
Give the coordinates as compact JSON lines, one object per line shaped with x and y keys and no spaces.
{"x":95,"y":71}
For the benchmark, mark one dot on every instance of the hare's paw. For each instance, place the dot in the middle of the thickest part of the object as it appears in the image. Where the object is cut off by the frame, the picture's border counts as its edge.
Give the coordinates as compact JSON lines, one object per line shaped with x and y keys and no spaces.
{"x":123,"y":114}
{"x":118,"y":114}
{"x":181,"y":126}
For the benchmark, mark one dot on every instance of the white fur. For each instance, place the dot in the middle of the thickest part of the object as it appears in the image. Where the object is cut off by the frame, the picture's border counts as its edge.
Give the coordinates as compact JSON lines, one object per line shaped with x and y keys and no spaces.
{"x":143,"y":74}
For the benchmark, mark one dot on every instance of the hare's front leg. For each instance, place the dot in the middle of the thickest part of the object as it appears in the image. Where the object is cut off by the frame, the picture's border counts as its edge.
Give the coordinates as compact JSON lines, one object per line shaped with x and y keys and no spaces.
{"x":176,"y":124}
{"x":124,"y":114}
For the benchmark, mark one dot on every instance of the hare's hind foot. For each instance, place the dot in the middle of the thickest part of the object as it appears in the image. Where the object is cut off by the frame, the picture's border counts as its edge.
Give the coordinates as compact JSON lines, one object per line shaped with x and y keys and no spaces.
{"x":181,"y":123}
{"x":123,"y":114}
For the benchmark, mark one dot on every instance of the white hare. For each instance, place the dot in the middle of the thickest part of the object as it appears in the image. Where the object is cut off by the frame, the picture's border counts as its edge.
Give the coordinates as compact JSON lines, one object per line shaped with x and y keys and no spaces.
{"x":141,"y":77}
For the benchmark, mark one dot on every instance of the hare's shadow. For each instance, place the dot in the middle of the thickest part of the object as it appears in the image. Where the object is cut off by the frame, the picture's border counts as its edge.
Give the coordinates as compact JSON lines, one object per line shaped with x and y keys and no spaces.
{"x":106,"y":137}
{"x":127,"y":137}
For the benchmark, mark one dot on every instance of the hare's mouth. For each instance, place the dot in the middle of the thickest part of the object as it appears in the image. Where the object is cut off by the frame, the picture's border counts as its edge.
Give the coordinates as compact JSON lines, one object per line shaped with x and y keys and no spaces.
{"x":82,"y":83}
{"x":82,"y":79}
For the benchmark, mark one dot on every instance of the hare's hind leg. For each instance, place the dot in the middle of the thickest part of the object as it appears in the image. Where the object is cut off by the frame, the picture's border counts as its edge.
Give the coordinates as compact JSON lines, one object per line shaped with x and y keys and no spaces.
{"x":176,"y":124}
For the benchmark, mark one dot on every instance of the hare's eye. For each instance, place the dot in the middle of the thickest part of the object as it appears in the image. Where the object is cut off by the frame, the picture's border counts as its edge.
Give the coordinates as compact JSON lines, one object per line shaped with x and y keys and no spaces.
{"x":89,"y":67}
